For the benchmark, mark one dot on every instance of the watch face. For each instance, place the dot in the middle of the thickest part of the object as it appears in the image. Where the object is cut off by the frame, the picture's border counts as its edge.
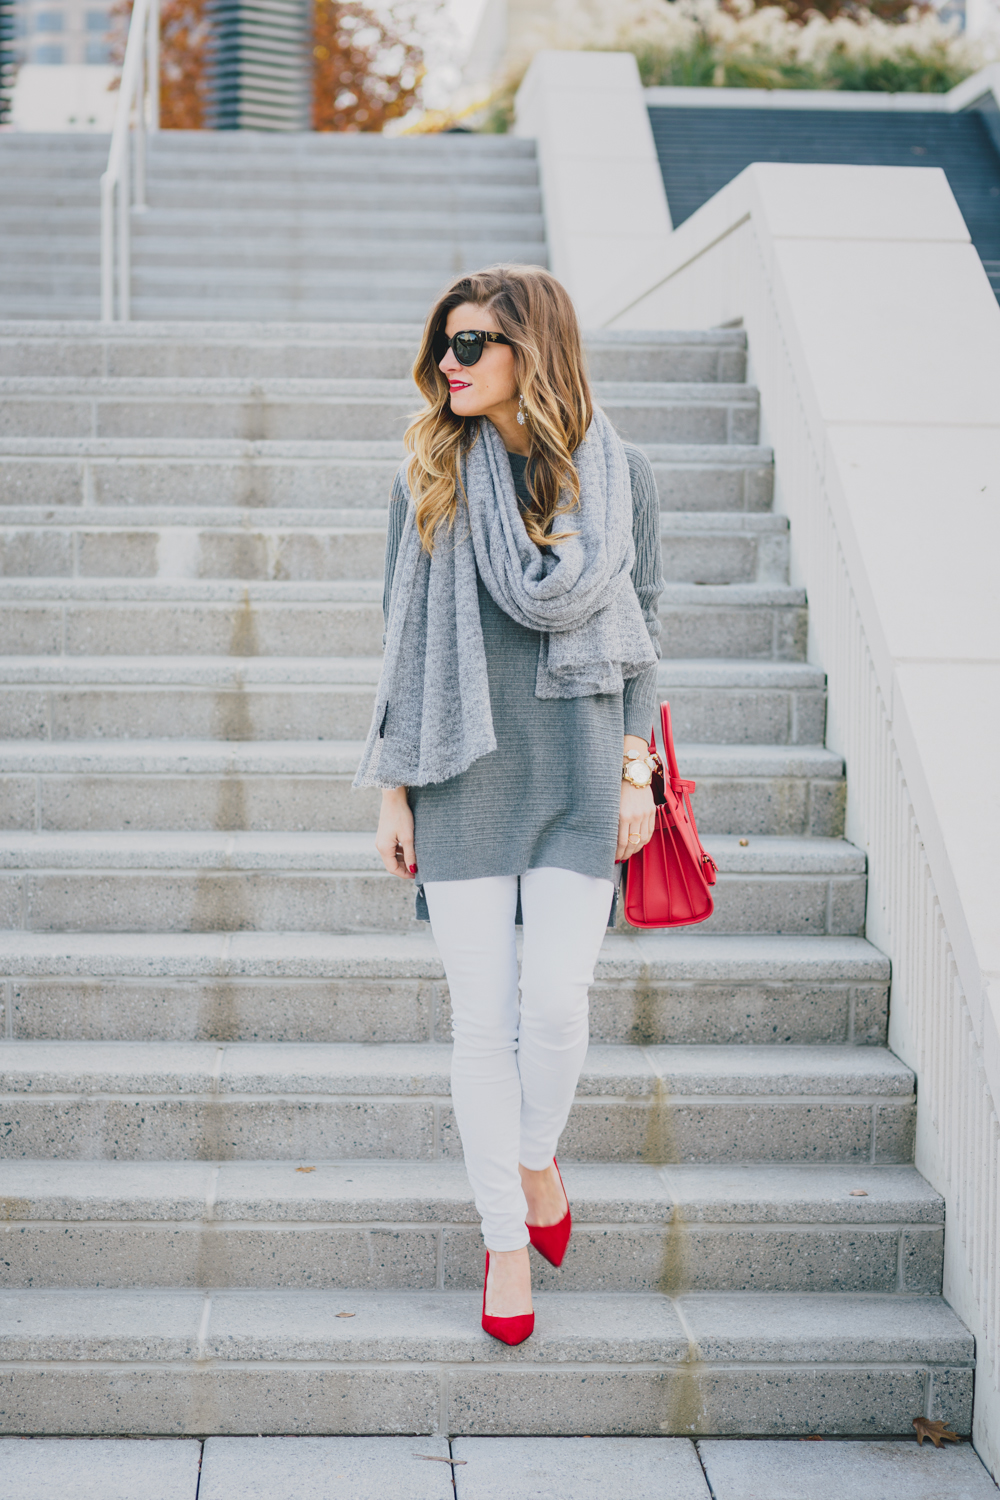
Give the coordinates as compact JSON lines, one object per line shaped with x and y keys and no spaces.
{"x":639,"y":773}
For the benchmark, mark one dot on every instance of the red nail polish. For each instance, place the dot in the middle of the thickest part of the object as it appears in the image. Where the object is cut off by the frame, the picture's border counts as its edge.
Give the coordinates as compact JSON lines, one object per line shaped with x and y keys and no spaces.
{"x":413,"y":869}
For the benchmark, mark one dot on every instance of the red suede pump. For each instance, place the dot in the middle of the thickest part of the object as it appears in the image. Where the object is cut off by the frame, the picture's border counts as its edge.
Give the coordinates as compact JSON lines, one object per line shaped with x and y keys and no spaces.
{"x":507,"y":1330}
{"x":551,"y":1240}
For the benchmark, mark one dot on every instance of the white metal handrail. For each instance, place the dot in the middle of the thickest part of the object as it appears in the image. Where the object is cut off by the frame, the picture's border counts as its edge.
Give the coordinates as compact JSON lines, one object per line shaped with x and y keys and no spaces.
{"x":139,"y":110}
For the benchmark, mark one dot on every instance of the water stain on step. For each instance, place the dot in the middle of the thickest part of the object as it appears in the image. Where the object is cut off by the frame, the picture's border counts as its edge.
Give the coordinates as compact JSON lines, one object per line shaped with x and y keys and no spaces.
{"x":250,"y":488}
{"x":231,"y":719}
{"x":219,"y":900}
{"x":660,"y":1149}
{"x":646,"y":1028}
{"x":231,"y":803}
{"x":254,"y":415}
{"x":219,"y":1012}
{"x":243,"y":640}
{"x":683,"y":1409}
{"x":684,"y":1412}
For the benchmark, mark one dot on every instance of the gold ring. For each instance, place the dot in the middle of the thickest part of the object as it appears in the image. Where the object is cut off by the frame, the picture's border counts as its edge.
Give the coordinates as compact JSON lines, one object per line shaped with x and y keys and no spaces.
{"x":635,"y":840}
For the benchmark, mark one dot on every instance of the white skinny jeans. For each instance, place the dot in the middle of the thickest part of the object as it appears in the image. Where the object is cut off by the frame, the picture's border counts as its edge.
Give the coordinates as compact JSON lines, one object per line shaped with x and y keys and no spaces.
{"x":515,"y":1068}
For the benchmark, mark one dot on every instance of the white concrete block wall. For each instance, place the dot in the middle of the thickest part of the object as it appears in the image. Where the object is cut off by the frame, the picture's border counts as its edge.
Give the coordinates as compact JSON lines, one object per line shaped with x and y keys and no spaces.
{"x":876,"y":343}
{"x":606,"y":214}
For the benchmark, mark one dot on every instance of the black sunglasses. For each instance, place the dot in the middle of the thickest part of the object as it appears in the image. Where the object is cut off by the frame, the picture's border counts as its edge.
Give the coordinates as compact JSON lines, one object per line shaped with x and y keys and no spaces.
{"x":468,"y":345}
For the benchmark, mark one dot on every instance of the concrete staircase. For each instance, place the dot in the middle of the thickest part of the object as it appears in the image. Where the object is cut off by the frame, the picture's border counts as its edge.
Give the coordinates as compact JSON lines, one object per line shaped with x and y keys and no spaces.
{"x":255,"y":226}
{"x":220,"y":1015}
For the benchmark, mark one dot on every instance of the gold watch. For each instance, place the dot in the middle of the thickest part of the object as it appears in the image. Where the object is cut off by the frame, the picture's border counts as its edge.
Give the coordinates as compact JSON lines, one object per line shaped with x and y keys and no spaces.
{"x":638,"y":770}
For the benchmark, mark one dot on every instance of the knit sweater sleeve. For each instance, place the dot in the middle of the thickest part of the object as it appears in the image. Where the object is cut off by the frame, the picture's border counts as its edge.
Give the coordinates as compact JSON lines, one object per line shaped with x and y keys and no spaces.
{"x":394,"y":530}
{"x":641,"y":697}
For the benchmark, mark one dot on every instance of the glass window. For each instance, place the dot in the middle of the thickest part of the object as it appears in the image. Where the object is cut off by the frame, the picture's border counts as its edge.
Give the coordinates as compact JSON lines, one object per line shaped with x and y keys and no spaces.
{"x":97,"y":20}
{"x":48,"y":54}
{"x":49,"y":20}
{"x":98,"y":52}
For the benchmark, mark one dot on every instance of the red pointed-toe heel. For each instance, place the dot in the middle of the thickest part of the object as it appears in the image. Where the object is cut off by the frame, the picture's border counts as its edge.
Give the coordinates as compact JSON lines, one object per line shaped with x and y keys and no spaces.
{"x":551,"y":1240}
{"x":507,"y":1330}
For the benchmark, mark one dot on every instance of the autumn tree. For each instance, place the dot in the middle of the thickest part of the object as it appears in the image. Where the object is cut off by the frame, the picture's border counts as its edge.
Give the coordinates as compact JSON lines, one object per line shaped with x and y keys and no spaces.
{"x":367,"y":68}
{"x":185,"y":35}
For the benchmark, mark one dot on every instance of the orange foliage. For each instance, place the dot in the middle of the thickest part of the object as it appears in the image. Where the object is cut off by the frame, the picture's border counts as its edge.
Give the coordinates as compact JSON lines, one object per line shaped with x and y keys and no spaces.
{"x":365,"y":72}
{"x":184,"y":40}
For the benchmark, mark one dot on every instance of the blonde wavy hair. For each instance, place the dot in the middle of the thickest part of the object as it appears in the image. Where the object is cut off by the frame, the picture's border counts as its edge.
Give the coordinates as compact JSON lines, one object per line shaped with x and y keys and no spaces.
{"x":535,"y":313}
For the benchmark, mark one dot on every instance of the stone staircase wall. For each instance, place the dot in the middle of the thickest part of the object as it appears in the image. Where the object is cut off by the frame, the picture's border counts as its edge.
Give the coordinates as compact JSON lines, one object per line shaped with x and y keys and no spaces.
{"x":256,"y":227}
{"x":220,"y":1014}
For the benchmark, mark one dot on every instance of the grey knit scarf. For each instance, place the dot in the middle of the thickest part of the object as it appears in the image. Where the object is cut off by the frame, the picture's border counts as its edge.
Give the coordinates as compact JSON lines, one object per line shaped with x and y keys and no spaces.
{"x":432,"y":711}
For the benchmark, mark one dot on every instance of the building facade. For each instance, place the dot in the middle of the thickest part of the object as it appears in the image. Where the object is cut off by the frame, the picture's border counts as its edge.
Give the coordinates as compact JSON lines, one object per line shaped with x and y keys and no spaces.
{"x":54,"y":32}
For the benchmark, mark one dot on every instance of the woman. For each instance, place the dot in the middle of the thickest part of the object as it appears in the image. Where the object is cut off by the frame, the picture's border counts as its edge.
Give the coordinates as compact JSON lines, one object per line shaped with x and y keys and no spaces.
{"x":512,"y":721}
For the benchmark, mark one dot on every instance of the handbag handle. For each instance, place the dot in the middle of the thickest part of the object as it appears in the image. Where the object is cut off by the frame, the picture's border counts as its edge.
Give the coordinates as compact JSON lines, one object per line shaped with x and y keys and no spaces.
{"x":671,"y":775}
{"x":668,"y":742}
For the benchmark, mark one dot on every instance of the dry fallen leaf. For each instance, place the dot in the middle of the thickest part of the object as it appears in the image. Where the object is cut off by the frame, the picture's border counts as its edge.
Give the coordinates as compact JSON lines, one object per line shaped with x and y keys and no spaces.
{"x":346,"y":1315}
{"x":858,"y":1193}
{"x":936,"y":1431}
{"x":305,"y":1169}
{"x":432,"y":1458}
{"x":812,"y":1438}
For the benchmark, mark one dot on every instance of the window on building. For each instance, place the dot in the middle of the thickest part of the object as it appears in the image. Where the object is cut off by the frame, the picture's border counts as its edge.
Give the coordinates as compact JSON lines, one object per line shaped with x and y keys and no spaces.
{"x":98,"y":52}
{"x":48,"y":54}
{"x":97,"y":20}
{"x":49,"y":20}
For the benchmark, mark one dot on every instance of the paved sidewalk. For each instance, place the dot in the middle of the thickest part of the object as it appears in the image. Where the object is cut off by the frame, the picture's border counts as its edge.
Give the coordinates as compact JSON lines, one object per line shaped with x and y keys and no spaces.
{"x":501,"y":1468}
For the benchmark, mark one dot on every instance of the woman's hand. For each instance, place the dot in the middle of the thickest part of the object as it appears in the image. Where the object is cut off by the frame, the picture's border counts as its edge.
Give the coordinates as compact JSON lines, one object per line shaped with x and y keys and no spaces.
{"x":394,"y":840}
{"x":637,"y":810}
{"x":636,"y":819}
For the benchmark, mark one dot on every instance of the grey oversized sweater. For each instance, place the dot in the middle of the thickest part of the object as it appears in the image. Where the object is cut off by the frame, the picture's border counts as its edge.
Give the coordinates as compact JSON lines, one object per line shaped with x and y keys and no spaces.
{"x":549,"y":794}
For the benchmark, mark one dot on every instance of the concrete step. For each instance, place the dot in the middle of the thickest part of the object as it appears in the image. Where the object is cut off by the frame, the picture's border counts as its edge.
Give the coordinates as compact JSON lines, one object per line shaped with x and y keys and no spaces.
{"x":382,"y":1226}
{"x":171,"y":1101}
{"x":96,"y":617}
{"x":309,"y":352}
{"x":325,"y":698}
{"x":47,"y":194}
{"x":51,"y":220}
{"x":653,"y":987}
{"x":51,"y":146}
{"x":395,"y":173}
{"x":231,"y":145}
{"x":449,"y":193}
{"x":305,"y":786}
{"x":192,"y":542}
{"x":286,"y":1362}
{"x":334,"y":882}
{"x":210,"y":284}
{"x":73,"y":247}
{"x":483,"y":190}
{"x":273,"y":257}
{"x":219,"y":226}
{"x":260,"y":474}
{"x":40,"y":303}
{"x":310,"y":410}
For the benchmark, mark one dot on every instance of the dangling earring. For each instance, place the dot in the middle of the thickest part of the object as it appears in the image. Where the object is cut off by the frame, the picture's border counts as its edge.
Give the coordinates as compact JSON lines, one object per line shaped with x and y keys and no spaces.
{"x":520,"y":410}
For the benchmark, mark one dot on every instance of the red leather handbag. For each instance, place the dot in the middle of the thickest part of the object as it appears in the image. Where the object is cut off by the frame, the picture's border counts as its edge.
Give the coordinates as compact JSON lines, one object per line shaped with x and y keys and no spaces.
{"x":667,"y":881}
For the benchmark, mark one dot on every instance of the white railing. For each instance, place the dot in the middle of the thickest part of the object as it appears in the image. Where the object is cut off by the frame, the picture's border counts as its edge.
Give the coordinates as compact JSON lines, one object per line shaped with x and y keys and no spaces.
{"x":123,"y":185}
